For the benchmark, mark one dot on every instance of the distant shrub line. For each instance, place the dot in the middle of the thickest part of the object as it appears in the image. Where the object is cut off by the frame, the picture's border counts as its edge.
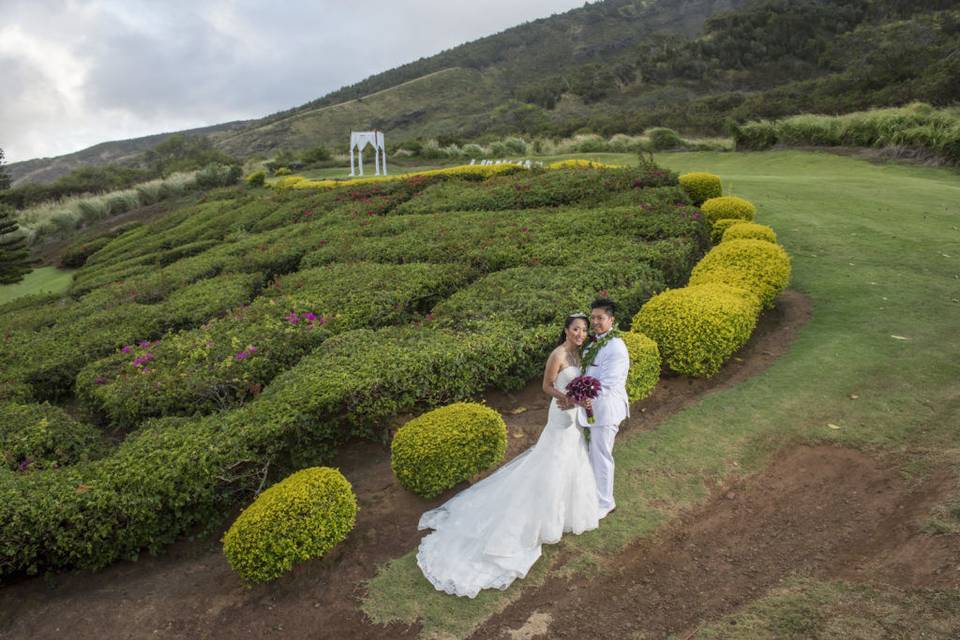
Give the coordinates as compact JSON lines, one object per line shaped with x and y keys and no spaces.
{"x":917,"y":127}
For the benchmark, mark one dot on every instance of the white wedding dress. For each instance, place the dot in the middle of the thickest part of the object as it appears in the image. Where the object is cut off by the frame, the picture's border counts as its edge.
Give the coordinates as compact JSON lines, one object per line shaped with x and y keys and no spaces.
{"x":490,"y":533}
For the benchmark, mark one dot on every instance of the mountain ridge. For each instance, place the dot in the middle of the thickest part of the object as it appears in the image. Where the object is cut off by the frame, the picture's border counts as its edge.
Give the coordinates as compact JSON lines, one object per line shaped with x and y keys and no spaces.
{"x":620,"y":66}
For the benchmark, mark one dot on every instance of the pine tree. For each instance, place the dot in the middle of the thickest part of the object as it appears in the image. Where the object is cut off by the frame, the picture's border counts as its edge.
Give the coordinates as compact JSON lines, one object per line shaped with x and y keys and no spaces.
{"x":14,"y":255}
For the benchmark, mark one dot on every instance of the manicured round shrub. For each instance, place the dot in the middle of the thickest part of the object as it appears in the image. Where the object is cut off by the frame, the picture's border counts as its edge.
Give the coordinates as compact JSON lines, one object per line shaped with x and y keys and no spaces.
{"x":728,"y":207}
{"x":720,"y":227}
{"x":644,"y":365}
{"x":300,"y":517}
{"x":443,"y":447}
{"x":698,"y":328}
{"x":758,"y":266}
{"x":701,"y":186}
{"x":42,"y":436}
{"x":749,"y":231}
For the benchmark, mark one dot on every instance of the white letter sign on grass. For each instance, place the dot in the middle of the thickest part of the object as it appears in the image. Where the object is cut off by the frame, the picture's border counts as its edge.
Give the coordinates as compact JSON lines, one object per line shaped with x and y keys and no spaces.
{"x":359,"y":140}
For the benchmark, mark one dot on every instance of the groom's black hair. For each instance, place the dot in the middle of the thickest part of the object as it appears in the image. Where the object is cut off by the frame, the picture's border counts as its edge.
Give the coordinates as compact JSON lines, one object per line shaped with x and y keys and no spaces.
{"x":606,"y":304}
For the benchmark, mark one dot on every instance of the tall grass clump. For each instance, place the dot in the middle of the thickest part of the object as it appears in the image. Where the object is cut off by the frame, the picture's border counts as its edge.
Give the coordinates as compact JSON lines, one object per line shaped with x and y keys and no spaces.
{"x":56,"y":219}
{"x":915,"y":128}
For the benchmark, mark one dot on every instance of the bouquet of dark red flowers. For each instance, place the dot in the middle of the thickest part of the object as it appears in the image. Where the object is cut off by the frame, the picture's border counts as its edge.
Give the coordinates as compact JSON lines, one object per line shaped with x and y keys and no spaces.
{"x":581,"y":389}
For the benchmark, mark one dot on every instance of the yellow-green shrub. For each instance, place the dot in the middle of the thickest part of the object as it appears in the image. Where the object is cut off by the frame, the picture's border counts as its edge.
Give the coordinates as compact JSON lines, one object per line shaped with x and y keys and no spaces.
{"x":475,"y":171}
{"x":443,"y":447}
{"x":644,"y":365}
{"x":300,"y":517}
{"x":755,"y":265}
{"x":282,"y":171}
{"x":728,"y":207}
{"x":749,"y":231}
{"x":701,"y":186}
{"x":256,"y":179}
{"x":720,"y":227}
{"x":580,"y":163}
{"x":698,"y":328}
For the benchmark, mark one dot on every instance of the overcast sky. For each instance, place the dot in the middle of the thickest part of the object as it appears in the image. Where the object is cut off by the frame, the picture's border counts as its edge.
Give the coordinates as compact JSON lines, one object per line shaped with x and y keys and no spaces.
{"x":74,"y":73}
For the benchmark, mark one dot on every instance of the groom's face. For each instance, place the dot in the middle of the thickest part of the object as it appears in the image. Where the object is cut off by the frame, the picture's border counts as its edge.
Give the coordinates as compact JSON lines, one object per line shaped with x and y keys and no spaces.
{"x":601,"y":321}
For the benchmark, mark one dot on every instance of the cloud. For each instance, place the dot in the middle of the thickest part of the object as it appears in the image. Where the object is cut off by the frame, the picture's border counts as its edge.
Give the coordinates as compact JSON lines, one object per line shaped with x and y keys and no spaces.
{"x":78,"y":73}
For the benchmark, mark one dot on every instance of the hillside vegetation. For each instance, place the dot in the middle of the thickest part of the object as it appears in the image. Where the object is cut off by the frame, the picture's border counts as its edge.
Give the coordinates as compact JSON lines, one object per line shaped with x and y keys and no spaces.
{"x":622,"y":66}
{"x":255,"y":331}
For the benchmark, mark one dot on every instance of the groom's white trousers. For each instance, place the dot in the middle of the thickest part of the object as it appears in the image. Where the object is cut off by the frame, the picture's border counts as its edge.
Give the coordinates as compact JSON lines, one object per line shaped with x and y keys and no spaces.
{"x":601,"y":459}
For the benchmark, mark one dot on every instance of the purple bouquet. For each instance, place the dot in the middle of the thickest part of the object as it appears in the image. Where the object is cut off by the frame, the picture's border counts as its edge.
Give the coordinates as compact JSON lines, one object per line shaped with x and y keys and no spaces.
{"x":581,"y":389}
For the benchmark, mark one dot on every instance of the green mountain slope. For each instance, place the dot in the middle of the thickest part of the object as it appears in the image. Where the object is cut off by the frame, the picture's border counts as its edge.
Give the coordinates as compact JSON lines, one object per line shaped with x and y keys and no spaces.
{"x":625,"y":65}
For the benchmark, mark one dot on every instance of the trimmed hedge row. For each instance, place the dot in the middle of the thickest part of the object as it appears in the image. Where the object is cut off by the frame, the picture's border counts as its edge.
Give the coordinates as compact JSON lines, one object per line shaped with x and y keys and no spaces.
{"x":299,"y":518}
{"x":536,"y":189}
{"x":230,"y":359}
{"x":173,"y":474}
{"x":546,"y":295}
{"x":490,"y":242}
{"x":42,"y":436}
{"x":49,"y":359}
{"x":441,"y":448}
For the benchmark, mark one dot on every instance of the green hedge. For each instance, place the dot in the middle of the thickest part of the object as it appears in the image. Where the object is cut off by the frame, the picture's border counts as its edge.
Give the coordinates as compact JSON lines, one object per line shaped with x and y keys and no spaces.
{"x":49,"y":359}
{"x":535,"y":189}
{"x":230,"y":359}
{"x":491,"y":242}
{"x":173,"y":474}
{"x":446,"y":446}
{"x":301,"y":517}
{"x":546,"y":295}
{"x":42,"y":436}
{"x":176,"y":473}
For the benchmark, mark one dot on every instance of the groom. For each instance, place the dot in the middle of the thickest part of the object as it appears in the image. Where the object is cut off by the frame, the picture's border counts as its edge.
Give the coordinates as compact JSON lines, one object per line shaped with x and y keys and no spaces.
{"x":607,"y":360}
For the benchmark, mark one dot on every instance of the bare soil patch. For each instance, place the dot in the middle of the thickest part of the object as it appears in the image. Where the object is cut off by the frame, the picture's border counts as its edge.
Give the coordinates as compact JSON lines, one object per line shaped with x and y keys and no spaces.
{"x":822,"y":511}
{"x":190,"y":591}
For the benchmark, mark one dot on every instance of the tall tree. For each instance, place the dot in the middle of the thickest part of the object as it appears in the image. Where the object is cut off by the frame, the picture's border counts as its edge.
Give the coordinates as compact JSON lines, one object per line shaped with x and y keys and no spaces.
{"x":4,"y":177}
{"x":14,"y":255}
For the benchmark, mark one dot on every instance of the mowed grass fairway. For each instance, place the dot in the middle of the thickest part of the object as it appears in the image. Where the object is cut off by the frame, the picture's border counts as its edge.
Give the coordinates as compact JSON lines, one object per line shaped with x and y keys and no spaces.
{"x":877,"y":250}
{"x":43,"y":280}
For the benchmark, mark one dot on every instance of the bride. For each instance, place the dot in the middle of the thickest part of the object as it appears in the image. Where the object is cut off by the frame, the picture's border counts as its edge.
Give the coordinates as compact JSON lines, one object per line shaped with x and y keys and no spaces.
{"x":490,"y":533}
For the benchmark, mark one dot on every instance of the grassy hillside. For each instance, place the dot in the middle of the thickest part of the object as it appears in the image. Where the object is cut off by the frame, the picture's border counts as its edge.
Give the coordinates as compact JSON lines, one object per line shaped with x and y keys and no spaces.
{"x":621,"y":66}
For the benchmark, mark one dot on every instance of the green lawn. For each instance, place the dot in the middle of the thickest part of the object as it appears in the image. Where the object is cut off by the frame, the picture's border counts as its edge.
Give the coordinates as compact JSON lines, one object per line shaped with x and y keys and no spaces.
{"x":43,"y":280}
{"x":877,"y":249}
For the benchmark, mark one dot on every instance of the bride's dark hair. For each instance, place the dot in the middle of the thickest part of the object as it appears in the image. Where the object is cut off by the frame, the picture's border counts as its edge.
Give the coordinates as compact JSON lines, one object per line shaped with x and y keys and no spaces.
{"x":573,"y":317}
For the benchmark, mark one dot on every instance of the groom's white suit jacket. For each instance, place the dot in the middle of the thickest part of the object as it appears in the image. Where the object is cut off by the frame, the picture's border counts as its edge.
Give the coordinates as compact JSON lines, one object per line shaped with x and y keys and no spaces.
{"x":610,"y":367}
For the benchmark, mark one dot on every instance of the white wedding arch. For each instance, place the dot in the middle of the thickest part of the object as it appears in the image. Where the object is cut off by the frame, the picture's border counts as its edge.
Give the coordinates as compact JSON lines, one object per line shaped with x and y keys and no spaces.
{"x":359,"y":140}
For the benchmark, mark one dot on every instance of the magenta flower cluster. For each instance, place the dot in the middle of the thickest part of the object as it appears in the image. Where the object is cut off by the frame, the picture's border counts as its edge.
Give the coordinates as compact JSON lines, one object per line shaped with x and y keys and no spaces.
{"x":140,"y":362}
{"x":308,"y":317}
{"x":246,"y":353}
